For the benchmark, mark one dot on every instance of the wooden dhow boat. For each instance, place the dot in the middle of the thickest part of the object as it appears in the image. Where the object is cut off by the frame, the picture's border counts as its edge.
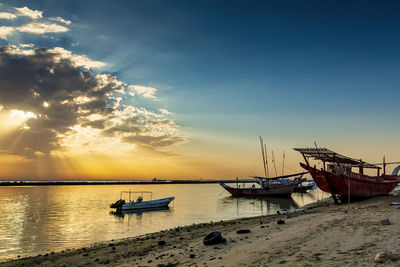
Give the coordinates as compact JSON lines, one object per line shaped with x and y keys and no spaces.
{"x":276,"y":186}
{"x":337,"y":177}
{"x":139,"y":204}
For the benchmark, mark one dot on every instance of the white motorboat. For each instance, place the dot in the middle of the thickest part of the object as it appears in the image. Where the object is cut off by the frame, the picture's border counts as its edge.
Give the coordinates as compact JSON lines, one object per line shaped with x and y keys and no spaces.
{"x":131,"y":204}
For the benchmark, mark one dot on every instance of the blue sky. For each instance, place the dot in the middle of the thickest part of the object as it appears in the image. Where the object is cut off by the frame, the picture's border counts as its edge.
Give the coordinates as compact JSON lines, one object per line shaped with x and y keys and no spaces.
{"x":293,"y":71}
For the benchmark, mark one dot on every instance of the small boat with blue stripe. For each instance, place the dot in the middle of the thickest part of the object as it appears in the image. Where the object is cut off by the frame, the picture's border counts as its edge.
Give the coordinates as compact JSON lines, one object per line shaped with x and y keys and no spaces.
{"x":139,"y":204}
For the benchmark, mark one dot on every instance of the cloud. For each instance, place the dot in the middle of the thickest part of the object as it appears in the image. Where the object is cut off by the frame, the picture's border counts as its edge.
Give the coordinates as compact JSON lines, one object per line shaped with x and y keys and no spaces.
{"x":25,"y":11}
{"x":148,"y":92}
{"x":32,"y":23}
{"x":60,"y":19}
{"x":166,"y":112}
{"x":5,"y":31}
{"x":41,"y":28}
{"x":7,"y":15}
{"x":26,"y":45}
{"x":159,"y":141}
{"x":55,"y":106}
{"x":78,"y":60}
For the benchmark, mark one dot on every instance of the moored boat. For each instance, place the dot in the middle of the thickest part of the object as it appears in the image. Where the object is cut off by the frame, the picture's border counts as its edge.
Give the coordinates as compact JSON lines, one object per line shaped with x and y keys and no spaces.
{"x":305,"y":186}
{"x":131,"y":204}
{"x":337,"y":178}
{"x":277,"y":186}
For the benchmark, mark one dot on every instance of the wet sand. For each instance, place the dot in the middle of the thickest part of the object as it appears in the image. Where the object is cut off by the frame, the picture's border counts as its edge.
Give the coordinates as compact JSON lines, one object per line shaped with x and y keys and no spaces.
{"x":324,"y":235}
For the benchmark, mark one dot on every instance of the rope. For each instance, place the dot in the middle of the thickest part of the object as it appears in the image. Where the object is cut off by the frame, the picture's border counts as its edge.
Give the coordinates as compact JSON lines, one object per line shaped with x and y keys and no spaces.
{"x":252,"y":167}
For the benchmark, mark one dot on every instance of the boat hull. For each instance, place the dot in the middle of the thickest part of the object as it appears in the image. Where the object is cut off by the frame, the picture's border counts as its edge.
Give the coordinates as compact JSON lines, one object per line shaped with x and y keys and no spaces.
{"x":361,"y":186}
{"x":281,"y":190}
{"x":151,"y":204}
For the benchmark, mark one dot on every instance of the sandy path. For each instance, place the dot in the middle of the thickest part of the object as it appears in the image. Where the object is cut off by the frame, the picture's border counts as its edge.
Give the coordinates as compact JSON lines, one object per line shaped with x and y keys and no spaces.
{"x":325,"y":236}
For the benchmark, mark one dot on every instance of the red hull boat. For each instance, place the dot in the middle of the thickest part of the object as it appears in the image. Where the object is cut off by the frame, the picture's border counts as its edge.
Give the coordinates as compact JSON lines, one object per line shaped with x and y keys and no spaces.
{"x":338,"y":179}
{"x":360,"y":185}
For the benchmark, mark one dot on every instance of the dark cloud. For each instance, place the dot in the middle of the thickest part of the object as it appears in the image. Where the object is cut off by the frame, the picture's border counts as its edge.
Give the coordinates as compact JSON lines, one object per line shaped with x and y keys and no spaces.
{"x":97,"y":124}
{"x":21,"y":76}
{"x":126,"y":128}
{"x":62,"y":95}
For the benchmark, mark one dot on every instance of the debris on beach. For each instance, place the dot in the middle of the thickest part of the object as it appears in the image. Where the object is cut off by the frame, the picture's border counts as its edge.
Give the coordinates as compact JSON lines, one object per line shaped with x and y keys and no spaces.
{"x":280,"y":222}
{"x":385,"y":222}
{"x":243,"y":231}
{"x":282,"y":212}
{"x":382,"y":257}
{"x":214,"y":238}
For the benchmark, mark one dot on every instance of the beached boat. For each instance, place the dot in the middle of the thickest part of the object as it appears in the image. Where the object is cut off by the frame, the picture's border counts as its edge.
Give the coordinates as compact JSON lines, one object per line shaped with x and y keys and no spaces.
{"x":131,"y":204}
{"x":276,"y":186}
{"x":336,"y":175}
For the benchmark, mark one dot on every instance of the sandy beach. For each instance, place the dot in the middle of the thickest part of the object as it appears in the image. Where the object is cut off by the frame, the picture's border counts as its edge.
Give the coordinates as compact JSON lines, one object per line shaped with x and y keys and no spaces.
{"x":323,"y":235}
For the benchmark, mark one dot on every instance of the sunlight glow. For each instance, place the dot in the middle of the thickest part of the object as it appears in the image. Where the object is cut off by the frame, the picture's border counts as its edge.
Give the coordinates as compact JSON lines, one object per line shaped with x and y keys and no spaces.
{"x":19,"y":114}
{"x":83,"y":141}
{"x":82,"y":99}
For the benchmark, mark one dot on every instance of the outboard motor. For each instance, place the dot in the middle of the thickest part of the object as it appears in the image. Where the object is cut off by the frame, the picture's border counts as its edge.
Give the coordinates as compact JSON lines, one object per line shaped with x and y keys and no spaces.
{"x":118,"y":205}
{"x":396,"y":170}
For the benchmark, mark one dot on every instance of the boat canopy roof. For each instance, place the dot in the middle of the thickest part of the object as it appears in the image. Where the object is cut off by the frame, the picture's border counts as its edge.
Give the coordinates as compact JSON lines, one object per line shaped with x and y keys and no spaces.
{"x":141,"y":193}
{"x":136,"y":192}
{"x":280,"y":177}
{"x":327,"y":155}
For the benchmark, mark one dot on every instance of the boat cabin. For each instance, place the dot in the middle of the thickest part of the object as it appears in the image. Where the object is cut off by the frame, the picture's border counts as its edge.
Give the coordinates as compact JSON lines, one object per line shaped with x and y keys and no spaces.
{"x":284,"y":179}
{"x":335,"y":162}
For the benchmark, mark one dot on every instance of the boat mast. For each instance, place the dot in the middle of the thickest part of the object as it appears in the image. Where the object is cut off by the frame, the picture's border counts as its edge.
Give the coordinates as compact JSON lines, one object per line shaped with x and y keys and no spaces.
{"x":263,"y":155}
{"x":384,"y":166}
{"x":266,"y":158}
{"x":323,"y":161}
{"x":283,"y":161}
{"x":273,"y":159}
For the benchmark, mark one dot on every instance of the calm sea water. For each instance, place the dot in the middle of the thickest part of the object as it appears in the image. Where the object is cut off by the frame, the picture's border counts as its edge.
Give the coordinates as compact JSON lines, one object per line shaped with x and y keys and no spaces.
{"x":40,"y":219}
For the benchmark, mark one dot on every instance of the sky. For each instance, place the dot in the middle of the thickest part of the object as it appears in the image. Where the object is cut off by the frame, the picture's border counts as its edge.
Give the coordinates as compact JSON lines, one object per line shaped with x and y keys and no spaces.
{"x":183,"y":89}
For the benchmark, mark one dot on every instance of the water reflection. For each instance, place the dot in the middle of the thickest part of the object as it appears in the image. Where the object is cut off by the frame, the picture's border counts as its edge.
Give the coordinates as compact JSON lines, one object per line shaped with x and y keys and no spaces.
{"x":302,"y":199}
{"x":257,"y":205}
{"x":41,"y":219}
{"x":122,"y":214}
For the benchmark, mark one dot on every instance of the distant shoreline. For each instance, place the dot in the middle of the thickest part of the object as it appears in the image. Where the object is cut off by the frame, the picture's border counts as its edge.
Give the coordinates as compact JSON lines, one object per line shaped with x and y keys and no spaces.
{"x":32,"y":183}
